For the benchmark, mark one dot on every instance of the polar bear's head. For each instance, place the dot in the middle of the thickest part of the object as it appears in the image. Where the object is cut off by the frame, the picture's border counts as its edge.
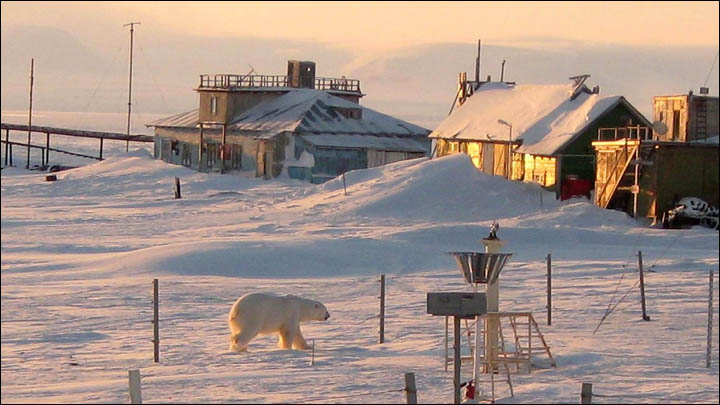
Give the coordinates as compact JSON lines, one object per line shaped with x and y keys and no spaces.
{"x":318,"y":312}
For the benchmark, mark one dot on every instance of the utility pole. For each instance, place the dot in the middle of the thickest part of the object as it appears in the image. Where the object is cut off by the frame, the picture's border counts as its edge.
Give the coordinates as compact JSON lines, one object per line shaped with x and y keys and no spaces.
{"x":132,"y":26}
{"x":477,"y":64}
{"x":32,"y":78}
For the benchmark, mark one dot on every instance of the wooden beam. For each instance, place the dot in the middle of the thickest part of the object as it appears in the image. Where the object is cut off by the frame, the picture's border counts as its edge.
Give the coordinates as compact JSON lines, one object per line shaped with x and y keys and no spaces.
{"x":78,"y":132}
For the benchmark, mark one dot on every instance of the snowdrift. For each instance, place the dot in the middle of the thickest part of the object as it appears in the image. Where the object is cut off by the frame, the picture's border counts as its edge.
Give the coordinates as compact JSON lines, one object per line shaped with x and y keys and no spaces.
{"x":398,"y":218}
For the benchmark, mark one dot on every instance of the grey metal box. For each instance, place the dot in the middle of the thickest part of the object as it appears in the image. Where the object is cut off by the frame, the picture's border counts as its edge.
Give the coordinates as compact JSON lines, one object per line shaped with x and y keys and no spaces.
{"x":463,"y":304}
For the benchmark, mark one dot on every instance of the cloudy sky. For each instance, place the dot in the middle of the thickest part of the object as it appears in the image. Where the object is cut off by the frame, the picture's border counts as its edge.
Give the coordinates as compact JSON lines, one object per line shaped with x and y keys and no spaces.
{"x":406,"y":54}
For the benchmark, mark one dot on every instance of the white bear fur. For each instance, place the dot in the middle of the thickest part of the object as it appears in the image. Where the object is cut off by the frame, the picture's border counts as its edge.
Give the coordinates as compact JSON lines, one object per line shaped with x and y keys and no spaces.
{"x":260,"y":313}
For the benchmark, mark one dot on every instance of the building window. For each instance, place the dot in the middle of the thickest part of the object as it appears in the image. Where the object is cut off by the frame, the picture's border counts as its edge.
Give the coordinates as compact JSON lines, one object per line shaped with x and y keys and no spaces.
{"x":186,"y":155}
{"x":213,"y":105}
{"x":236,"y":156}
{"x":211,"y":157}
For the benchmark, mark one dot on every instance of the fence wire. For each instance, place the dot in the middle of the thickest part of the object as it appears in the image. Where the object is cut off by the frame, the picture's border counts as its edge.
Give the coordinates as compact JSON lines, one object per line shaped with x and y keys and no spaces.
{"x":325,"y":399}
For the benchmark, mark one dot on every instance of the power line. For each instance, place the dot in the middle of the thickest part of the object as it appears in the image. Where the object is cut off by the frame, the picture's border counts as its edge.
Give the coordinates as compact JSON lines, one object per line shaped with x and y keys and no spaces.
{"x":711,"y":69}
{"x":321,"y":400}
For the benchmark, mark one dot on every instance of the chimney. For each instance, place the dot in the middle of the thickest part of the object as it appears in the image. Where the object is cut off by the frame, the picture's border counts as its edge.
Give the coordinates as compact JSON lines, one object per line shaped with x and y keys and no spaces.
{"x":301,"y":74}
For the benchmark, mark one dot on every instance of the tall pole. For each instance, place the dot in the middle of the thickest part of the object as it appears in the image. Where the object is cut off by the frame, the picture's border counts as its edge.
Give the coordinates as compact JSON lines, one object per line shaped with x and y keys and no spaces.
{"x":510,"y":155}
{"x":477,"y":64}
{"x":382,"y":309}
{"x":32,"y":79}
{"x":456,"y":360}
{"x":549,"y":289}
{"x":709,"y":322}
{"x":156,"y":323}
{"x":636,"y":190}
{"x":642,"y":286}
{"x":132,"y":26}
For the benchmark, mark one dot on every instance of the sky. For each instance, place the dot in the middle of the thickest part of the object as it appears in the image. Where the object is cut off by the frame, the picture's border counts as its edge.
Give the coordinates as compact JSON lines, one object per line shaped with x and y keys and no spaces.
{"x":385,"y":25}
{"x":406,"y":54}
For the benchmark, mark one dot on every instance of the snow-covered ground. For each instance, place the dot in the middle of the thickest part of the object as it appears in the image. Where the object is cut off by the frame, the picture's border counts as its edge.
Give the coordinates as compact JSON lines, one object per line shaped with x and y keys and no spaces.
{"x":79,"y":256}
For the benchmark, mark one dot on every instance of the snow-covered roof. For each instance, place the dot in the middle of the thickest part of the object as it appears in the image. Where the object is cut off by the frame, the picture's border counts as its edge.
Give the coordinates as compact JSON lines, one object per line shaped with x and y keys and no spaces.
{"x":186,"y":119}
{"x":543,"y":116}
{"x":387,"y":143}
{"x":306,"y":111}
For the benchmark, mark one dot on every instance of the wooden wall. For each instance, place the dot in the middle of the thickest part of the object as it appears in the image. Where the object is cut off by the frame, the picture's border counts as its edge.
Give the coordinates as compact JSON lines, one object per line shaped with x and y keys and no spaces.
{"x":540,"y":169}
{"x":673,"y":112}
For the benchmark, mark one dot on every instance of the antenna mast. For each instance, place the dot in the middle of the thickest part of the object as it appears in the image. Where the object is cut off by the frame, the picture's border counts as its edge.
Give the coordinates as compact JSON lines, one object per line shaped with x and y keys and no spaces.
{"x":132,"y":26}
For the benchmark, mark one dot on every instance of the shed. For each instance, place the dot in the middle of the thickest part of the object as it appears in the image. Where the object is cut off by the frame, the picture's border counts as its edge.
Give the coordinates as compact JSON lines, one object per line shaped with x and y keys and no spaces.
{"x":548,"y":129}
{"x":646,"y":177}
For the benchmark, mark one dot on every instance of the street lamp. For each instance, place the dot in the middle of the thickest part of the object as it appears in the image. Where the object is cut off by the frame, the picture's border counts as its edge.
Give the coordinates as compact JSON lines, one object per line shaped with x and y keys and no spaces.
{"x":509,"y":165}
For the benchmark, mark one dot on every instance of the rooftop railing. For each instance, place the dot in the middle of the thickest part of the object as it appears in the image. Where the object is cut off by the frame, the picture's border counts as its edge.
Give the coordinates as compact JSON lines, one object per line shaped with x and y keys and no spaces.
{"x":630,"y":132}
{"x":231,"y":81}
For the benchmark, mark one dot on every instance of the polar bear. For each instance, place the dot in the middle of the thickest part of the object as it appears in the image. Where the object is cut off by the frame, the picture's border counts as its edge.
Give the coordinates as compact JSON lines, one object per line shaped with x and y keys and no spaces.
{"x":259,"y":313}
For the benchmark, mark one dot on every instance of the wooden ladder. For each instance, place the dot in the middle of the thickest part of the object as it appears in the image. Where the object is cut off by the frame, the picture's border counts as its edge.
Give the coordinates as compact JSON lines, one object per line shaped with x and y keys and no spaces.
{"x":524,"y":342}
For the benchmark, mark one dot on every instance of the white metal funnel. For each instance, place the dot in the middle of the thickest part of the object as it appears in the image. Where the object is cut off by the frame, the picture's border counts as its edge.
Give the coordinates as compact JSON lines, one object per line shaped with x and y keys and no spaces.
{"x":481,"y":268}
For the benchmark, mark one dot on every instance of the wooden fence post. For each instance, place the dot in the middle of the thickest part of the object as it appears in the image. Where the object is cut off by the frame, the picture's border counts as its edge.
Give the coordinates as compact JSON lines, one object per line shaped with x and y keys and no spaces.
{"x":177,"y":188}
{"x":410,"y":390}
{"x":586,"y":393}
{"x":642,"y":286}
{"x":47,"y":148}
{"x":710,"y":322}
{"x":7,"y":145}
{"x":549,"y":289}
{"x":135,"y":390}
{"x":156,"y":323}
{"x":344,"y":187}
{"x":312,"y":359}
{"x":446,"y":342}
{"x":382,"y":308}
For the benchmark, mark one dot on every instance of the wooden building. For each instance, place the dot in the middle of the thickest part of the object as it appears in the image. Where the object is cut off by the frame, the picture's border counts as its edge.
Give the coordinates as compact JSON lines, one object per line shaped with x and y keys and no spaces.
{"x":645,"y":171}
{"x":533,"y":133}
{"x":685,"y":118}
{"x":308,"y":127}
